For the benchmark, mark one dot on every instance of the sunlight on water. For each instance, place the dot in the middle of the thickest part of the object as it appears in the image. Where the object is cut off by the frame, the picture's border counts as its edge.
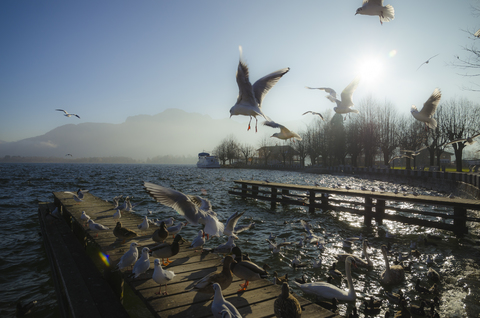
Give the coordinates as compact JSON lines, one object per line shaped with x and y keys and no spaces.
{"x":23,"y":186}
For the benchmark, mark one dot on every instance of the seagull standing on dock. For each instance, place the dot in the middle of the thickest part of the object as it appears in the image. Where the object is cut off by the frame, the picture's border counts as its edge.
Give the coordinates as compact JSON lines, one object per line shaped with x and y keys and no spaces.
{"x":143,"y":264}
{"x":222,"y":308}
{"x":161,"y":276}
{"x":117,"y":215}
{"x":95,"y":227}
{"x":84,"y":217}
{"x":144,"y":225}
{"x":250,"y":97}
{"x":130,"y":257}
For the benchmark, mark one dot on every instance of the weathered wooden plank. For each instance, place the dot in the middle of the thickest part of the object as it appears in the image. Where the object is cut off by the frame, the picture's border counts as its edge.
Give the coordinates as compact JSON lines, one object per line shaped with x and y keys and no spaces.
{"x":87,"y":292}
{"x":188,"y":265}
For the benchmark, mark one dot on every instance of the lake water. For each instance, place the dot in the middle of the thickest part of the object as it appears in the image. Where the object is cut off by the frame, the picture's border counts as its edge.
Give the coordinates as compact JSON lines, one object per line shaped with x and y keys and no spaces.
{"x":26,"y":273}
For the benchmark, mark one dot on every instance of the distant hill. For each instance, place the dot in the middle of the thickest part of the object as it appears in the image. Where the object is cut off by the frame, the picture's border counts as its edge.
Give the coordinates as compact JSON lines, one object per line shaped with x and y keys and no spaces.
{"x":172,"y":132}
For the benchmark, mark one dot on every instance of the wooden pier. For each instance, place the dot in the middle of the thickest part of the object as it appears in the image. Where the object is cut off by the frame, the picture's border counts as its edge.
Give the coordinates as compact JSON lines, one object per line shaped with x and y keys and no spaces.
{"x":188,"y":265}
{"x":377,"y":205}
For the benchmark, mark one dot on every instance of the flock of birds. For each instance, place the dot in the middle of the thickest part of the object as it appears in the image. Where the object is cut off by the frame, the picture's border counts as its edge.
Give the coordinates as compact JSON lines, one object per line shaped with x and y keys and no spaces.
{"x":198,"y":211}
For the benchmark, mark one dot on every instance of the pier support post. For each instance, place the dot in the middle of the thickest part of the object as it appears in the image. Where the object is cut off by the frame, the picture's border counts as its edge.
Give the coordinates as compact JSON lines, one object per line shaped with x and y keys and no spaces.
{"x":244,"y":190}
{"x":379,"y":211}
{"x":460,"y":221}
{"x":255,"y":191}
{"x":368,"y":211}
{"x":273,"y":203}
{"x":285,"y":192}
{"x":324,"y":201}
{"x":311,"y":200}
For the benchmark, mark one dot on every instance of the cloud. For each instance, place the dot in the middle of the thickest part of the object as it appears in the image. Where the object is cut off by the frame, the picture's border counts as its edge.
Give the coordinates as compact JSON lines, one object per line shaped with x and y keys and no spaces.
{"x":46,"y":144}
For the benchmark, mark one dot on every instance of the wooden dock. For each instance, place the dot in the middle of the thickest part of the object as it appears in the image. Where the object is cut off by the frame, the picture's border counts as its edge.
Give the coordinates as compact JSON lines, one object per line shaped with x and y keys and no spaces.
{"x":188,"y":265}
{"x":377,"y":205}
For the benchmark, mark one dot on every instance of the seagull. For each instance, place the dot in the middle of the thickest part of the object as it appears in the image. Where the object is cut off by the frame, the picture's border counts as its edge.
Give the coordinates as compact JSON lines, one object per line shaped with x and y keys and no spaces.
{"x":284,"y":133}
{"x":426,"y":62}
{"x":66,"y":113}
{"x":222,"y":308}
{"x":199,"y":241}
{"x":175,"y":229}
{"x":84,"y":217}
{"x":241,"y":228}
{"x":276,"y":247}
{"x":143,"y":263}
{"x":425,"y":115}
{"x":161,"y":276}
{"x":468,"y":140}
{"x":477,"y":34}
{"x":168,"y":222}
{"x":345,"y":105}
{"x":225,"y":248}
{"x":375,"y":7}
{"x":250,"y":97}
{"x":68,"y":155}
{"x":231,"y":223}
{"x":77,"y":199}
{"x":117,"y":215}
{"x":96,"y":226}
{"x":144,"y":225}
{"x":314,"y":113}
{"x":130,"y":257}
{"x":188,"y":206}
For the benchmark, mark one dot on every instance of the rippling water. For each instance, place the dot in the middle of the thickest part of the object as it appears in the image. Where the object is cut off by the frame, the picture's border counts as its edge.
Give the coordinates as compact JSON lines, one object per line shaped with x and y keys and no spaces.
{"x":26,"y":273}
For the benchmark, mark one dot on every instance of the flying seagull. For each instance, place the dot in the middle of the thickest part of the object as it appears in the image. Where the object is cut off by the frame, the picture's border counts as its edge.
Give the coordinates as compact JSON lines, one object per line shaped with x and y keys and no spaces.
{"x":469,"y":140}
{"x":344,"y":106}
{"x":284,"y":133}
{"x":66,"y":113}
{"x":426,"y":62}
{"x":314,"y":113}
{"x":375,"y":7}
{"x":477,"y":34}
{"x":250,"y":97}
{"x":425,"y":115}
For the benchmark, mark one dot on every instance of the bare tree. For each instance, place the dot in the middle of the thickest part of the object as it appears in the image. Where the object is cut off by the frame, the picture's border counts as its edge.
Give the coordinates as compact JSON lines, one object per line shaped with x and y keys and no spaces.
{"x":460,"y":120}
{"x":354,"y":144}
{"x":387,"y":130}
{"x":265,"y":150}
{"x":247,"y":152}
{"x":301,"y":147}
{"x":369,"y":129}
{"x":471,"y":62}
{"x":412,"y":136}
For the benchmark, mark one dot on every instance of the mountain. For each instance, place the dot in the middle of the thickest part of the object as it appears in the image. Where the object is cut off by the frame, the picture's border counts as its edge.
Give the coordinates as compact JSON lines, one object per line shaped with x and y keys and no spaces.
{"x":172,"y":132}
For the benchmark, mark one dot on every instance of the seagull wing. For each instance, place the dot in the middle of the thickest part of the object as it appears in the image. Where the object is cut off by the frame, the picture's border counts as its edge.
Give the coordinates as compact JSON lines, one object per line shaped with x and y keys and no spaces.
{"x":431,"y":104}
{"x":271,"y":123}
{"x":313,"y":113}
{"x":244,"y":86}
{"x":330,"y":91}
{"x":307,"y":226}
{"x":232,"y":221}
{"x":374,"y":2}
{"x":76,"y":115}
{"x":61,"y":110}
{"x":263,"y":85}
{"x":174,"y":199}
{"x":347,"y":93}
{"x":201,"y":203}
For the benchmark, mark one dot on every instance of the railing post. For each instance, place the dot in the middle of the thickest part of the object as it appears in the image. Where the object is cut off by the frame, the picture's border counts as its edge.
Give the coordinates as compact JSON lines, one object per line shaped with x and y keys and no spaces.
{"x":244,"y":190}
{"x":379,"y":211}
{"x":273,"y":203}
{"x":285,"y":192}
{"x":368,"y":211}
{"x":255,"y":190}
{"x":324,"y":201}
{"x":460,"y":221}
{"x":311,"y":207}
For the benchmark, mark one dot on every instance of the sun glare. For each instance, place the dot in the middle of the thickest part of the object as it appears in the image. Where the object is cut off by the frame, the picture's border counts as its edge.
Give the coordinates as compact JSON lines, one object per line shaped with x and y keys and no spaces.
{"x":370,"y":69}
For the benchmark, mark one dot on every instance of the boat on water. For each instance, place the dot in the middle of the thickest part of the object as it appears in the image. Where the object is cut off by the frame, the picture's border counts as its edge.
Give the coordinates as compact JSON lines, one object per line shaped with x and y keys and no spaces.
{"x":207,"y":161}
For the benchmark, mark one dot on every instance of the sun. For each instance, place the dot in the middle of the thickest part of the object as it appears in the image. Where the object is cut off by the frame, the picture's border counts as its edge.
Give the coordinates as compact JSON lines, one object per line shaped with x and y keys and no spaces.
{"x":370,"y":68}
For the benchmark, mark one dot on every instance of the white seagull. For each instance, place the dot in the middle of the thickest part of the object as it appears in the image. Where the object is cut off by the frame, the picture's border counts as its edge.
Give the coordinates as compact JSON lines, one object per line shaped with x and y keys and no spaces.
{"x":284,"y":133}
{"x":222,"y":308}
{"x":95,"y":227}
{"x":468,"y":140}
{"x":161,"y":276}
{"x":168,"y":222}
{"x":313,"y":113}
{"x":426,"y":62}
{"x":143,"y":263}
{"x":199,"y":241}
{"x":130,"y":257}
{"x":425,"y":115}
{"x":66,"y":113}
{"x":375,"y":7}
{"x":250,"y":97}
{"x":144,"y":225}
{"x":231,"y":223}
{"x":344,"y":106}
{"x":117,"y":215}
{"x":84,"y":217}
{"x":188,"y":206}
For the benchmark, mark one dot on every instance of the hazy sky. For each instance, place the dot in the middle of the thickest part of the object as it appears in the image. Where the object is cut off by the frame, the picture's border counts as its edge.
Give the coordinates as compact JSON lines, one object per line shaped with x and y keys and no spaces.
{"x":107,"y":60}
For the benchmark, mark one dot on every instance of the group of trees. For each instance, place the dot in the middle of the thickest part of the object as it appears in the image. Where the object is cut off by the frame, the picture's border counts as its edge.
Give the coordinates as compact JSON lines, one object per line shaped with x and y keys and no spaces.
{"x":378,"y":130}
